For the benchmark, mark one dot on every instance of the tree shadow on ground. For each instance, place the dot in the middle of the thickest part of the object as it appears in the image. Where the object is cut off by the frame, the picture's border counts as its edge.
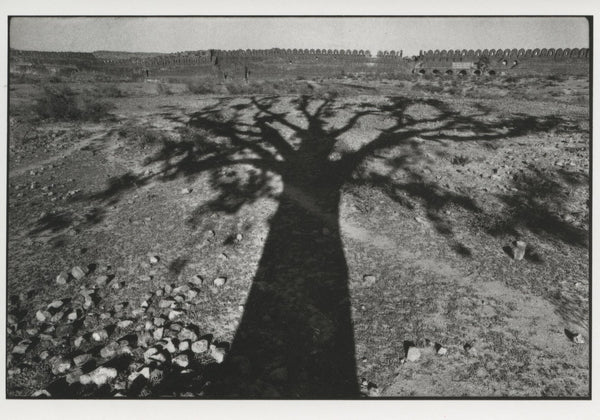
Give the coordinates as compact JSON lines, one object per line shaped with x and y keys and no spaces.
{"x":295,"y":339}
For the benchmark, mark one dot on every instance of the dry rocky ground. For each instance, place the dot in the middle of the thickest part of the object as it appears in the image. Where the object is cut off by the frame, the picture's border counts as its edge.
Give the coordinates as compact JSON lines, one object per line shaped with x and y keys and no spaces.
{"x":137,"y":242}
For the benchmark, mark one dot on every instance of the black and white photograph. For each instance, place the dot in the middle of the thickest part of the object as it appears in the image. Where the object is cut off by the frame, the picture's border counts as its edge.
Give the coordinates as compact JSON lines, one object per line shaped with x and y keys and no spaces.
{"x":297,"y":207}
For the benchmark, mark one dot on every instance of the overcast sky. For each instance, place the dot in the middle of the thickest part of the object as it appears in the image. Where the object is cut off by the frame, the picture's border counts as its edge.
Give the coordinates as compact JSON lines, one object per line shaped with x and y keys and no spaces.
{"x":182,"y":34}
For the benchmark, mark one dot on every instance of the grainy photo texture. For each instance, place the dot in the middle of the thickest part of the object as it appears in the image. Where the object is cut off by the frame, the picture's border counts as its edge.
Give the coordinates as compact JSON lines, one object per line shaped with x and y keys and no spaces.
{"x":298,"y":207}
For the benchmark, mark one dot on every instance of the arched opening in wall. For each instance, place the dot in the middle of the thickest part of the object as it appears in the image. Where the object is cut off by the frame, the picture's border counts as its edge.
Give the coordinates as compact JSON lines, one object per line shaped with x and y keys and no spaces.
{"x":514,"y":64}
{"x":422,"y":71}
{"x":462,"y":73}
{"x":491,"y":72}
{"x":436,"y":72}
{"x":477,"y":72}
{"x":504,"y":62}
{"x":449,"y":72}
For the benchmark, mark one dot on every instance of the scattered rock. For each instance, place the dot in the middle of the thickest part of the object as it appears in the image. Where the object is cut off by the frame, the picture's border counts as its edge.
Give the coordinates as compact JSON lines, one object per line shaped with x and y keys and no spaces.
{"x":41,"y":316}
{"x":578,"y":339}
{"x":62,"y":278}
{"x":191,"y":294}
{"x":154,"y":259}
{"x":239,"y":237}
{"x":78,"y":272}
{"x":55,"y":304}
{"x":41,"y":393}
{"x":519,"y":250}
{"x":100,"y":335}
{"x":175,"y":327}
{"x":181,"y":360}
{"x":22,"y":347}
{"x":186,"y":190}
{"x":57,"y":317}
{"x":137,"y":312}
{"x":60,"y":365}
{"x":146,"y":278}
{"x":149,"y":353}
{"x":173,"y":315}
{"x":413,"y":354}
{"x":220,"y":281}
{"x":184,"y":346}
{"x":99,"y":376}
{"x":78,"y":342}
{"x":218,"y":353}
{"x":102,"y":280}
{"x":166,"y":303}
{"x":181,"y":289}
{"x":369,"y":279}
{"x":197,"y":280}
{"x":109,"y":351}
{"x":200,"y":346}
{"x":11,"y":320}
{"x":145,"y":339}
{"x":470,"y":350}
{"x":158,"y":333}
{"x":158,"y":357}
{"x":44,"y":355}
{"x":32,"y":331}
{"x":187,"y":334}
{"x":124,"y":323}
{"x":441,"y":351}
{"x":74,"y":376}
{"x":124,"y":350}
{"x":168,"y":345}
{"x":82,"y":359}
{"x":72,"y":316}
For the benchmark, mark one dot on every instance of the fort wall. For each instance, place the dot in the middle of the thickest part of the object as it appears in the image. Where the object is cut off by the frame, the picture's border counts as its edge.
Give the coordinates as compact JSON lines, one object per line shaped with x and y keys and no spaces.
{"x":282,"y":63}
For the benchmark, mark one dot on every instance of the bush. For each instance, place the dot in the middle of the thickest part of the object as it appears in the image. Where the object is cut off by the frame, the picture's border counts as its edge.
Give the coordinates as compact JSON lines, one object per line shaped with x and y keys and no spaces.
{"x":110,"y":91}
{"x":460,"y":160}
{"x":163,"y":89}
{"x":62,"y":103}
{"x":141,"y":136}
{"x":203,"y":87}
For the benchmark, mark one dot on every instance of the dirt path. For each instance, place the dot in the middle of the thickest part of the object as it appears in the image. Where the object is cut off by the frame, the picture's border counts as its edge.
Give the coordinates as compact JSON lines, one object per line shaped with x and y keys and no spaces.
{"x":61,"y":155}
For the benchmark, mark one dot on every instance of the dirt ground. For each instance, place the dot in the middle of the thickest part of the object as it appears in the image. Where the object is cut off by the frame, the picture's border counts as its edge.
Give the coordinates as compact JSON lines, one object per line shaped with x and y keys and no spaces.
{"x":348,"y":228}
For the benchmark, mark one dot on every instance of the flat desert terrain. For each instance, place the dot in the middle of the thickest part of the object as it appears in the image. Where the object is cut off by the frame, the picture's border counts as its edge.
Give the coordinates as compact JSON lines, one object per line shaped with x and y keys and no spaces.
{"x":331,"y":238}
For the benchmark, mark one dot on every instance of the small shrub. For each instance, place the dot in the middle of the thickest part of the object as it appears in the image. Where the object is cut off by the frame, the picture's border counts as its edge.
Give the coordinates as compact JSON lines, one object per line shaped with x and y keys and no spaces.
{"x":141,"y":136}
{"x":62,"y":103}
{"x":163,"y":89}
{"x":110,"y":91}
{"x":202,"y":87}
{"x":460,"y":160}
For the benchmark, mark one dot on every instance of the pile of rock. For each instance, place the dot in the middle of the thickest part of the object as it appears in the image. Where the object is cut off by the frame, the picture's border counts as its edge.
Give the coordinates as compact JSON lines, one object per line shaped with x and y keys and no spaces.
{"x":132,"y":349}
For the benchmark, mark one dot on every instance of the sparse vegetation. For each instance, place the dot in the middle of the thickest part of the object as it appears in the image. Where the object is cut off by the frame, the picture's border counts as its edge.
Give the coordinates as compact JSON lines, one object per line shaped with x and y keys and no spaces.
{"x":62,"y":103}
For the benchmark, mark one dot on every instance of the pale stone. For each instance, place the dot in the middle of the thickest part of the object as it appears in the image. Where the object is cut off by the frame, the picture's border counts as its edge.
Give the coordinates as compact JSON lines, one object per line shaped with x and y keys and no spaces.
{"x":413,"y":354}
{"x":99,"y":376}
{"x":220,"y":281}
{"x":79,"y":272}
{"x":200,"y":346}
{"x":62,"y":278}
{"x":181,"y":360}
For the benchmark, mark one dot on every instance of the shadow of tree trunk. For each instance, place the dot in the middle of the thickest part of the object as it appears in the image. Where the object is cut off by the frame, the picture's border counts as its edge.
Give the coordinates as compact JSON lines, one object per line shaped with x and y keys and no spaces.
{"x":295,"y":339}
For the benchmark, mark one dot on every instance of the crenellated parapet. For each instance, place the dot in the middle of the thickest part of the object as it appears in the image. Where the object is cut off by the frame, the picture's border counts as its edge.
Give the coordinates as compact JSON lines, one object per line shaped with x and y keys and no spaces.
{"x":537,"y":53}
{"x":305,"y":61}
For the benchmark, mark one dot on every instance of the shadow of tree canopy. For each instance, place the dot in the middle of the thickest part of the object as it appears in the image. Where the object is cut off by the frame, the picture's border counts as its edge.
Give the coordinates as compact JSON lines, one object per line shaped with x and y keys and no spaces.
{"x":295,"y":339}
